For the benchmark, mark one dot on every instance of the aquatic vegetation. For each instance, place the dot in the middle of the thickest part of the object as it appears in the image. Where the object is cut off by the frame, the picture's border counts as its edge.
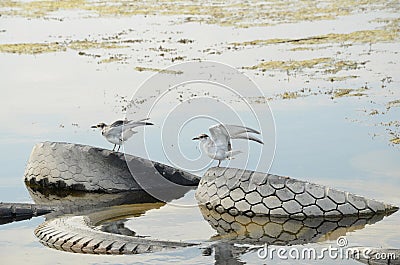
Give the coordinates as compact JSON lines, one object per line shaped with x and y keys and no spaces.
{"x":395,"y":135}
{"x":185,"y":41}
{"x":163,"y":71}
{"x":37,"y":48}
{"x":348,"y":92}
{"x":342,"y":92}
{"x":229,"y":13}
{"x":328,"y":65}
{"x":92,"y":44}
{"x":395,"y":140}
{"x":363,"y":36}
{"x":316,"y":66}
{"x":374,"y":112}
{"x":392,"y":104}
{"x":290,"y":95}
{"x":337,"y":66}
{"x":389,"y":33}
{"x":288,"y":65}
{"x":114,"y":58}
{"x":341,"y":78}
{"x":32,"y":48}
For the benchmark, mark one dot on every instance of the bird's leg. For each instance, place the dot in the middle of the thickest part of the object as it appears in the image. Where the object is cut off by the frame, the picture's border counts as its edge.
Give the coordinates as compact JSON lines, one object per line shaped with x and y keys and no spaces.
{"x":118,"y":148}
{"x":219,"y":163}
{"x":114,"y":147}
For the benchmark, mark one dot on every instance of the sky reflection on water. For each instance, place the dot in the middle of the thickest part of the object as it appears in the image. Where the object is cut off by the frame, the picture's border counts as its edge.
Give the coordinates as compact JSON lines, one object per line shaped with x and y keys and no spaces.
{"x":335,"y":142}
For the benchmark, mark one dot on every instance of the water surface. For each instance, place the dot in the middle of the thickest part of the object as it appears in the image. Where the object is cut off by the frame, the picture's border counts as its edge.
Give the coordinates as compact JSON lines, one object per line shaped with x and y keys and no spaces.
{"x":323,"y":134}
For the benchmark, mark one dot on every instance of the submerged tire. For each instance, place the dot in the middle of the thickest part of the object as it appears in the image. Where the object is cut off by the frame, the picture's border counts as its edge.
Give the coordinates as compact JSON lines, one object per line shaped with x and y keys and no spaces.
{"x":77,"y":234}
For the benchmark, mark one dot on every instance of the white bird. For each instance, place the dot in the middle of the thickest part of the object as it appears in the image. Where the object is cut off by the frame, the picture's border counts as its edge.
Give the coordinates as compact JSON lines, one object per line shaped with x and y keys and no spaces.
{"x":219,"y":146}
{"x":120,"y":131}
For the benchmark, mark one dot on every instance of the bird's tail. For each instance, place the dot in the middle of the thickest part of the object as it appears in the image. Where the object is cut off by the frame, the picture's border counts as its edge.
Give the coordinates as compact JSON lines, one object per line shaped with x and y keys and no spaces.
{"x":232,"y":153}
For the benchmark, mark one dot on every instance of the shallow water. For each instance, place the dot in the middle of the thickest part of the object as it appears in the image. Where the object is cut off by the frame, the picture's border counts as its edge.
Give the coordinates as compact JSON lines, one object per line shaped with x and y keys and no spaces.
{"x":320,"y":136}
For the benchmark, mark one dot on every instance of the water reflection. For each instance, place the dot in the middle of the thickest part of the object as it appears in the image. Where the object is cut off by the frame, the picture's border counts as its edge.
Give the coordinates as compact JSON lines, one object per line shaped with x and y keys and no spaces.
{"x":237,"y":235}
{"x":52,"y":202}
{"x":73,"y":202}
{"x":86,"y":202}
{"x":283,"y":231}
{"x":95,"y":222}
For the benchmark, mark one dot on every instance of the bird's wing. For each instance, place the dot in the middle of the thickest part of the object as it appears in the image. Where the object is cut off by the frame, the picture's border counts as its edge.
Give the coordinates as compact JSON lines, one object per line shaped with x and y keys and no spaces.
{"x":223,"y":133}
{"x":113,"y":131}
{"x":145,"y":119}
{"x":236,"y":130}
{"x":118,"y":123}
{"x":133,"y":124}
{"x":130,"y":124}
{"x":220,"y":136}
{"x":117,"y":127}
{"x":247,"y":136}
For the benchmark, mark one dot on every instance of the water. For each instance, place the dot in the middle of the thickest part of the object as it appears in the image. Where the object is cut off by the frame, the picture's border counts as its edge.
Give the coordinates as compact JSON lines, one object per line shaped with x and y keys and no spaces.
{"x":57,"y":96}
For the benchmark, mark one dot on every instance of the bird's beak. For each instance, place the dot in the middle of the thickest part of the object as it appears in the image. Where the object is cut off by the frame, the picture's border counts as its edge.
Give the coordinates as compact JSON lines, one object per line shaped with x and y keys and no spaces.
{"x":94,"y":126}
{"x":195,"y":138}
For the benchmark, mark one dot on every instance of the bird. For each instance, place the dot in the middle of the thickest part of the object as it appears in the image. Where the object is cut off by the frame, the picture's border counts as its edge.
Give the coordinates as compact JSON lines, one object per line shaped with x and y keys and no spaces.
{"x":120,"y":131}
{"x":218,"y":146}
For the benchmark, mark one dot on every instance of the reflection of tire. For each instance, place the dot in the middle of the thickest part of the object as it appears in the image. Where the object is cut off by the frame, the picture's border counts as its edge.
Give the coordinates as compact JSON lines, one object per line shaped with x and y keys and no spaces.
{"x":14,"y":212}
{"x":76,"y":234}
{"x":282,"y":231}
{"x":250,"y":193}
{"x":64,"y":166}
{"x":80,"y":203}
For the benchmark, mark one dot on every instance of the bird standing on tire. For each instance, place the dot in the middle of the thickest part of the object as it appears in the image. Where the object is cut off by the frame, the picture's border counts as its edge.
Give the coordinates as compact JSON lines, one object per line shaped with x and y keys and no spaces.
{"x":120,"y":131}
{"x":219,"y":146}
